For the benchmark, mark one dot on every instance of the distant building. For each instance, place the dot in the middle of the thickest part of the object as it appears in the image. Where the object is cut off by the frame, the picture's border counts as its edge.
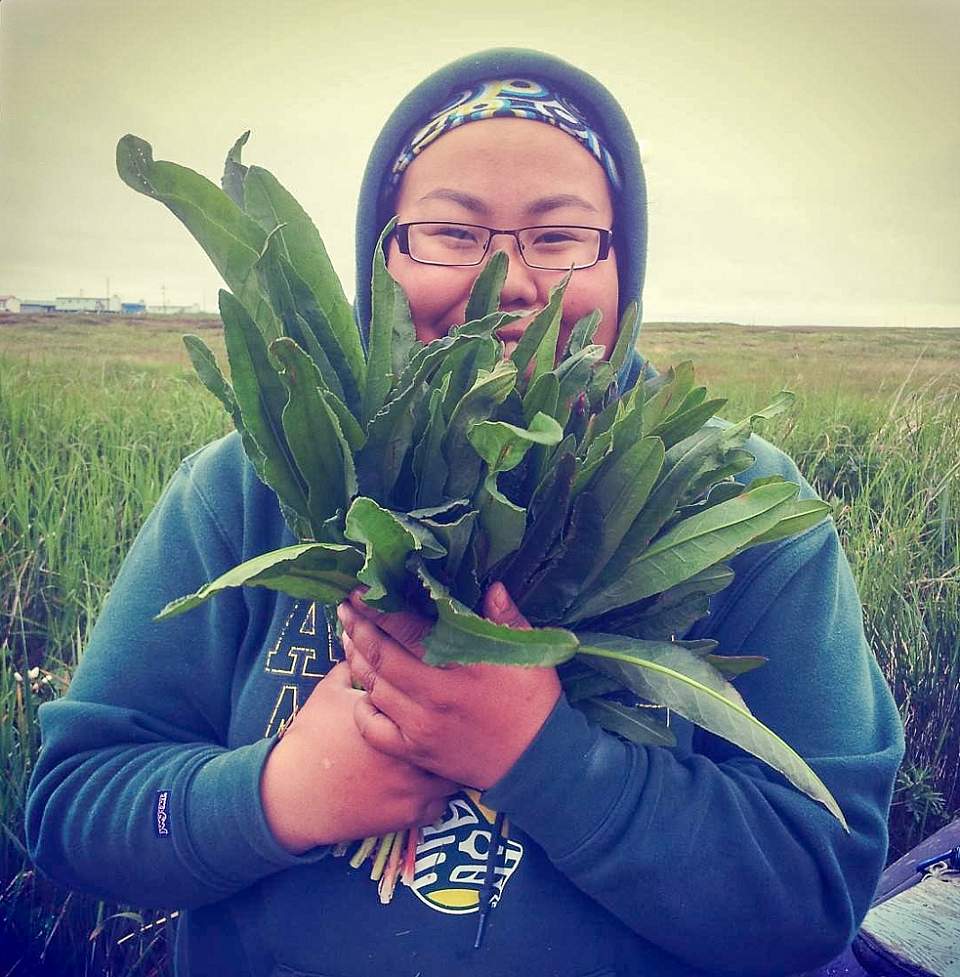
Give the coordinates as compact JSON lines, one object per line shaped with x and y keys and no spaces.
{"x":133,"y":308}
{"x":92,"y":304}
{"x":38,"y":305}
{"x":9,"y":303}
{"x":174,"y":309}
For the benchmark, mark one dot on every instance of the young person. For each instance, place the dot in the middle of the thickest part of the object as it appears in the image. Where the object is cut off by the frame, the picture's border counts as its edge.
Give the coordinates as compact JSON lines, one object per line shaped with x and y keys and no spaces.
{"x":164,"y":781}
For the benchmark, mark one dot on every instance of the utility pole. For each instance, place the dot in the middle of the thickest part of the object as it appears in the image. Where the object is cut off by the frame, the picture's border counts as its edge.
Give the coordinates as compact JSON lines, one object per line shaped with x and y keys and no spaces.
{"x":163,"y":291}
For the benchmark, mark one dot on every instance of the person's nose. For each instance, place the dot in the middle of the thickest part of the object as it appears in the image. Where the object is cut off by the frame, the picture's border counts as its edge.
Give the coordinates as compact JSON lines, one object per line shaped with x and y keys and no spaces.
{"x":521,"y":286}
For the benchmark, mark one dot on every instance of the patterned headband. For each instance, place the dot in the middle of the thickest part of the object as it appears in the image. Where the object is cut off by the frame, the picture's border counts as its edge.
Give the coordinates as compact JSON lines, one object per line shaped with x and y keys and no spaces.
{"x":518,"y":98}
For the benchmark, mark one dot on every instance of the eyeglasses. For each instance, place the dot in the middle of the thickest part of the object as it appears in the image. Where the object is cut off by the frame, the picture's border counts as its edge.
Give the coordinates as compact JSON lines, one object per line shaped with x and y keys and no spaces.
{"x":548,"y":247}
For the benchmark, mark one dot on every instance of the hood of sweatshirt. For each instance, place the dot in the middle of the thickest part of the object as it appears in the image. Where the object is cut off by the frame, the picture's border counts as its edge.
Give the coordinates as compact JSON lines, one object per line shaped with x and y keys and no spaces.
{"x":604,"y":115}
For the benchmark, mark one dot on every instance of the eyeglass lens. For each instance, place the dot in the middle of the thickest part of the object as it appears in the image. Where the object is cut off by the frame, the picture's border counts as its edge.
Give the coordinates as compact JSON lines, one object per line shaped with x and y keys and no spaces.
{"x":553,"y":248}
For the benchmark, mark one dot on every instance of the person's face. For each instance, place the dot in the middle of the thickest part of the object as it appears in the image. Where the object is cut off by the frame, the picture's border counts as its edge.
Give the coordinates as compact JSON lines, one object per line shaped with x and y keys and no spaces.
{"x":506,"y":173}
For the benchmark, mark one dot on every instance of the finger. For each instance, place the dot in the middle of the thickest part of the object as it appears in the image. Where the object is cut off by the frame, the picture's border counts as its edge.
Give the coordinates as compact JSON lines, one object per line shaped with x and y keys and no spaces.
{"x":404,"y":626}
{"x":400,"y":708}
{"x":498,"y":606}
{"x":387,"y":657}
{"x":379,"y":730}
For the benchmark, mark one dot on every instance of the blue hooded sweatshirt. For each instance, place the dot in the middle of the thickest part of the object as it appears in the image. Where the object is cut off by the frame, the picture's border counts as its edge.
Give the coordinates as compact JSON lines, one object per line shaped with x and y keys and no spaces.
{"x":618,"y":859}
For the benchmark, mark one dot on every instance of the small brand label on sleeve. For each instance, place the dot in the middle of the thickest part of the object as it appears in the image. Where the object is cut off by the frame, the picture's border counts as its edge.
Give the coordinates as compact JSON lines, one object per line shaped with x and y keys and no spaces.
{"x":160,"y":820}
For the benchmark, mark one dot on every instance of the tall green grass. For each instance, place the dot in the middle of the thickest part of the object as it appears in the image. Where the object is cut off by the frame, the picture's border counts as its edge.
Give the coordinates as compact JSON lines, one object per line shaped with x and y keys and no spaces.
{"x":85,"y":450}
{"x":84,"y":454}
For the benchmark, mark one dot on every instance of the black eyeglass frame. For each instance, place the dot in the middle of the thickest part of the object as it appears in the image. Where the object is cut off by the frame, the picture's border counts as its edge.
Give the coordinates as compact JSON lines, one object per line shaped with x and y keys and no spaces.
{"x":402,"y":232}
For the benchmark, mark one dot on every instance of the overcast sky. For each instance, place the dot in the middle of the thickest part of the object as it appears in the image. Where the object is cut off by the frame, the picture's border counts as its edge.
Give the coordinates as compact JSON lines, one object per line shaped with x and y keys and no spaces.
{"x":801,"y":157}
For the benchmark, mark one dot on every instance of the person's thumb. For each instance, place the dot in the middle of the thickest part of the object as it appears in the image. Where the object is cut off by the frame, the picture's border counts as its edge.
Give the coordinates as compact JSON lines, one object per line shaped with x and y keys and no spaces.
{"x":498,"y":606}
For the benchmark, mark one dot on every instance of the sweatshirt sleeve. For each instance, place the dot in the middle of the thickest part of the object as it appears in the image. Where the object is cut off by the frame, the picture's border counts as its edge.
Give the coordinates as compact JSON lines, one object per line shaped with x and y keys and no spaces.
{"x":136,"y":796}
{"x":713,"y":856}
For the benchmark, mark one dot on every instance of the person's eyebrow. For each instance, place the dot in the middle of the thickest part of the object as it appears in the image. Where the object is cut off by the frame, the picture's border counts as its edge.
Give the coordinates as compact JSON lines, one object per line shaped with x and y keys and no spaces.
{"x":545,"y":204}
{"x":466,"y":200}
{"x":536,"y":209}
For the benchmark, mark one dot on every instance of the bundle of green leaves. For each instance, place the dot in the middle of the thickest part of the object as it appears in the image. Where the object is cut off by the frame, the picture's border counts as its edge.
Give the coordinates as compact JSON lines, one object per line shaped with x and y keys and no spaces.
{"x":428,"y":471}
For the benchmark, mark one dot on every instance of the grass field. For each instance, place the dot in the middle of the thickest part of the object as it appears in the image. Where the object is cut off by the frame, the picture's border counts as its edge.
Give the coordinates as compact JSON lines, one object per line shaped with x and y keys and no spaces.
{"x":95,"y":413}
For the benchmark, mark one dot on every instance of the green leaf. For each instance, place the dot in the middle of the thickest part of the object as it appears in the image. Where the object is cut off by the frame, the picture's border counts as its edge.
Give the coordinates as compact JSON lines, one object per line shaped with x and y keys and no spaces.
{"x":683,"y":464}
{"x":615,"y":430}
{"x":581,"y":681}
{"x":555,"y":587}
{"x":575,"y":371}
{"x":568,"y":446}
{"x":462,"y":366}
{"x":736,"y":435}
{"x":462,"y":637}
{"x":801,"y":515}
{"x":277,"y":211}
{"x":388,"y":539}
{"x":603,"y":386}
{"x":314,"y":436}
{"x":671,"y":613}
{"x":448,"y":512}
{"x":686,"y":421}
{"x":207,"y":369}
{"x":234,"y":172}
{"x":734,"y":462}
{"x":541,"y":397}
{"x":503,"y":523}
{"x":631,"y":722}
{"x":583,"y":332}
{"x":547,"y":352}
{"x":671,"y":676}
{"x":669,"y":398}
{"x":601,"y":447}
{"x":452,"y":525}
{"x":549,"y":517}
{"x":619,"y":491}
{"x":392,"y":335}
{"x":734,"y":665}
{"x":485,"y":294}
{"x":325,"y":572}
{"x":486,"y":326}
{"x":543,"y":325}
{"x":390,"y":433}
{"x":502,"y":445}
{"x":691,"y":546}
{"x":348,"y":423}
{"x":262,"y":397}
{"x":720,"y":492}
{"x":429,"y":467}
{"x":478,"y":403}
{"x":625,"y":331}
{"x":307,"y":324}
{"x":231,"y":240}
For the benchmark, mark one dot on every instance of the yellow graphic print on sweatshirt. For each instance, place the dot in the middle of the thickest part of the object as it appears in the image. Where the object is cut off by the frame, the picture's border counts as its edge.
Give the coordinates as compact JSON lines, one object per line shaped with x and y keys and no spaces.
{"x":452,"y":857}
{"x":304,"y":652}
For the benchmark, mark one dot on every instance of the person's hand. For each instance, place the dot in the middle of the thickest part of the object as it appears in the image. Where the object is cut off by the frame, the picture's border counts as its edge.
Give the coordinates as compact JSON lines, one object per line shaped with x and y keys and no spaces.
{"x":467,"y":723}
{"x":323,"y":783}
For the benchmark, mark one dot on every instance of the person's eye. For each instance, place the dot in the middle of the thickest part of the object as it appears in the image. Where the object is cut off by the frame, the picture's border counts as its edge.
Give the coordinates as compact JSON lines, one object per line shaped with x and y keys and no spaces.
{"x":456,"y":233}
{"x":556,"y":236}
